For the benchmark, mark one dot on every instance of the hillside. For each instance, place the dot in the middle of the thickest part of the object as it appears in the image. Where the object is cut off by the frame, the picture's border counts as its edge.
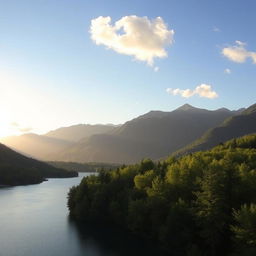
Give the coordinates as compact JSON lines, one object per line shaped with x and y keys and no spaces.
{"x":44,"y":147}
{"x":153,"y":135}
{"x":75,"y":133}
{"x":16,"y":169}
{"x":236,"y":126}
{"x":200,"y":204}
{"x":37,"y":146}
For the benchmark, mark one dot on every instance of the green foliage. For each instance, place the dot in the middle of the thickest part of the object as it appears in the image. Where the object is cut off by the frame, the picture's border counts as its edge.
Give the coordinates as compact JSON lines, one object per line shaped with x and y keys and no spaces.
{"x":193,"y":205}
{"x":245,"y":228}
{"x":143,"y":181}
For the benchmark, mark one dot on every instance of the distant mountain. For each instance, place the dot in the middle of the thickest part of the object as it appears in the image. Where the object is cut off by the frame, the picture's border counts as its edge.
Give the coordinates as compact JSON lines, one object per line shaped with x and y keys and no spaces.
{"x":37,"y":146}
{"x":233,"y":127}
{"x":83,"y":167}
{"x":16,"y":169}
{"x":153,"y":135}
{"x":75,"y":133}
{"x":43,"y":147}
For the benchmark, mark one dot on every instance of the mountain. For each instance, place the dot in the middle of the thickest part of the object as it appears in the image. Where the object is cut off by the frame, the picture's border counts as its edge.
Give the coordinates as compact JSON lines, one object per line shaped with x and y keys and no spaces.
{"x":43,"y":147}
{"x":236,"y":126}
{"x":153,"y":135}
{"x":84,"y":167}
{"x":37,"y":146}
{"x":16,"y":169}
{"x":75,"y":133}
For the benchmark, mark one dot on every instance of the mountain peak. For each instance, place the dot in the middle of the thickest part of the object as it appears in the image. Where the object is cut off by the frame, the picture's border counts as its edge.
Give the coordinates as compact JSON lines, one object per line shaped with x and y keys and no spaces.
{"x":186,"y":107}
{"x":223,"y":109}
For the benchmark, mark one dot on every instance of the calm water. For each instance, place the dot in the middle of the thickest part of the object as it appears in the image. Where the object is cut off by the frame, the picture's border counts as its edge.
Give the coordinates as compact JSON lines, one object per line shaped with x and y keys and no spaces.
{"x":34,"y":222}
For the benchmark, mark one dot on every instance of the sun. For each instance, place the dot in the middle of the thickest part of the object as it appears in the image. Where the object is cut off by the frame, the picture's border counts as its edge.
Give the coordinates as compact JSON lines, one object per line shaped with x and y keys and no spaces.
{"x":4,"y":131}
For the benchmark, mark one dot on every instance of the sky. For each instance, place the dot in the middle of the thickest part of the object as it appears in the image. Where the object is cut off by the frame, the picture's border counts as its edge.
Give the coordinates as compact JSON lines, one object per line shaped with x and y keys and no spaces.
{"x":67,"y":62}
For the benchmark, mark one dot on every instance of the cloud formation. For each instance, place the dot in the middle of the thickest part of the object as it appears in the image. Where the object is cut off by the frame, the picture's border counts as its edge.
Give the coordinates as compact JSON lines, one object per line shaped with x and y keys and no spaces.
{"x":19,"y":128}
{"x":203,"y":90}
{"x":238,"y":53}
{"x":140,"y":37}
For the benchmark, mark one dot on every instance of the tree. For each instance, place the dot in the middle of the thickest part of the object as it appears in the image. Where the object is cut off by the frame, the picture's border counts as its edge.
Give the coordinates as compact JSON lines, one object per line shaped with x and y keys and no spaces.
{"x":245,"y":228}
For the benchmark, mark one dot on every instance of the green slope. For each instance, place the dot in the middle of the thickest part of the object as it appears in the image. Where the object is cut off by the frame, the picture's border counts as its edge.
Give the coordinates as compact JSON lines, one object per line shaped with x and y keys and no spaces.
{"x":199,"y":204}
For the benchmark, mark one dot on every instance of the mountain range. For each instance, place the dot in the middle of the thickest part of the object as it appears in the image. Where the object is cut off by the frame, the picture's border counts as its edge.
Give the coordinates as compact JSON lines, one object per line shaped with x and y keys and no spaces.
{"x":152,"y":135}
{"x":155,"y":134}
{"x":234,"y":127}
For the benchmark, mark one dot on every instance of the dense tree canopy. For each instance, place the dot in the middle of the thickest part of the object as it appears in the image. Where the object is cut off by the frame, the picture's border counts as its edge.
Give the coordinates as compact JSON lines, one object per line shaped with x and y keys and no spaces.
{"x":201,"y":204}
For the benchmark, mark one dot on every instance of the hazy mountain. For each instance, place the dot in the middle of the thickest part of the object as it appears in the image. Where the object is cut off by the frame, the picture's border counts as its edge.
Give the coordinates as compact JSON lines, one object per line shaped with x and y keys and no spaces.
{"x":236,"y":126}
{"x":153,"y":135}
{"x":16,"y":169}
{"x":37,"y":146}
{"x":75,"y":133}
{"x":83,"y":167}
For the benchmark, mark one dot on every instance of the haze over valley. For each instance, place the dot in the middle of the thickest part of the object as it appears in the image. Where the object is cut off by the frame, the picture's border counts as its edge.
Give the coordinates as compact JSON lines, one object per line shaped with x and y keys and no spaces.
{"x":155,"y":135}
{"x":127,"y":128}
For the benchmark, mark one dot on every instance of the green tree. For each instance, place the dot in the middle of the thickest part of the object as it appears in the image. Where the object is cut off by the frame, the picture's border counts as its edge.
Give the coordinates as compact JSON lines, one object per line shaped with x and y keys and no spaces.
{"x":245,"y":229}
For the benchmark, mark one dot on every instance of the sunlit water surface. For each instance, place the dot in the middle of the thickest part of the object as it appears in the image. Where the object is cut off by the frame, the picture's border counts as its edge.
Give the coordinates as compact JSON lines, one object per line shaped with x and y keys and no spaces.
{"x":34,"y":222}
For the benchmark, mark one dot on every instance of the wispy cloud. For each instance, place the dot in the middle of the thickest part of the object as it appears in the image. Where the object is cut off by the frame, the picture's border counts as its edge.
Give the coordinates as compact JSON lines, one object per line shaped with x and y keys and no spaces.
{"x":16,"y":126}
{"x":238,"y":53}
{"x":203,"y":90}
{"x":140,"y":37}
{"x":227,"y":71}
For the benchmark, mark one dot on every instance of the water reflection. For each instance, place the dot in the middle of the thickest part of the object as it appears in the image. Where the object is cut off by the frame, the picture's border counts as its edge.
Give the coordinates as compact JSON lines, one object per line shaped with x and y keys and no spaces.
{"x":109,"y":241}
{"x":34,"y":222}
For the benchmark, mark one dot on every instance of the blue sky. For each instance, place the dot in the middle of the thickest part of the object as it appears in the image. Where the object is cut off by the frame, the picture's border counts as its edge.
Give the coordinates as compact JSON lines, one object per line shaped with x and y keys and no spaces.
{"x":53,"y":74}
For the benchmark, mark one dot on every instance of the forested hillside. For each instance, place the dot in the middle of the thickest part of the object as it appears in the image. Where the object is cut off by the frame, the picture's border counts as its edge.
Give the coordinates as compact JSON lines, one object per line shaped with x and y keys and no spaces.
{"x":16,"y":169}
{"x":201,"y":204}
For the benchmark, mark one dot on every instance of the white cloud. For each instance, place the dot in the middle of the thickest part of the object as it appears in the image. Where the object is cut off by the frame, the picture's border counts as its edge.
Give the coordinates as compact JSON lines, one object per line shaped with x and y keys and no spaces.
{"x":132,"y":35}
{"x":238,"y":53}
{"x":16,"y":126}
{"x":240,"y":43}
{"x":227,"y":71}
{"x":203,"y":90}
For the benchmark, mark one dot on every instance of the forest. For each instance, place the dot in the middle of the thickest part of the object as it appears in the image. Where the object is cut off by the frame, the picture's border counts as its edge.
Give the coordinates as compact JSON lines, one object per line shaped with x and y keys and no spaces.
{"x":199,"y":204}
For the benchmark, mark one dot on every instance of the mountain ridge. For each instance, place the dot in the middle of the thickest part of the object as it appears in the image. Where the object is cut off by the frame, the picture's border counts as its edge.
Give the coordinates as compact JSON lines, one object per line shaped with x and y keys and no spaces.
{"x":153,"y":134}
{"x":233,"y":127}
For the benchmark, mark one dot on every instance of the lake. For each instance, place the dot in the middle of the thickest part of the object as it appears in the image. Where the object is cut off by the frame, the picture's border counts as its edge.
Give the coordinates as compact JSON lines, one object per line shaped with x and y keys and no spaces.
{"x":34,"y":221}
